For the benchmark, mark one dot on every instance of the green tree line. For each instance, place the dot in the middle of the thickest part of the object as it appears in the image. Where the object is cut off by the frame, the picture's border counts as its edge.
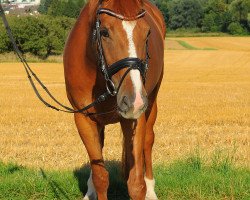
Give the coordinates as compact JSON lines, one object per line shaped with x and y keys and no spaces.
{"x":46,"y":34}
{"x":229,"y":16}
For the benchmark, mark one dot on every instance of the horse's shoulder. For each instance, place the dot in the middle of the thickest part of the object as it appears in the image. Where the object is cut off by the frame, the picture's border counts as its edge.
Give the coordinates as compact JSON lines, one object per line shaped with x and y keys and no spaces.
{"x":156,"y":15}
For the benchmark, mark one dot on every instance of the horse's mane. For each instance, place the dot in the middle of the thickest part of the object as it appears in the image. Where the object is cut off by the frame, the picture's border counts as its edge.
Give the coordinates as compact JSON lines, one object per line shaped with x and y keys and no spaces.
{"x":128,"y":8}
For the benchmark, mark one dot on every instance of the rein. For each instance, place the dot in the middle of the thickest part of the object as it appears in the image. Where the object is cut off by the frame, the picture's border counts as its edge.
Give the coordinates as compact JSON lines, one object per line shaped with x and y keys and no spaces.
{"x":108,"y":72}
{"x":30,"y":73}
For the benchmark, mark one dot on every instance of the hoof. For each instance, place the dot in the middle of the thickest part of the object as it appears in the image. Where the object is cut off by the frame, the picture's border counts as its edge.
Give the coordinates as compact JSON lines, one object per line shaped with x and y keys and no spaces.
{"x":150,"y":195}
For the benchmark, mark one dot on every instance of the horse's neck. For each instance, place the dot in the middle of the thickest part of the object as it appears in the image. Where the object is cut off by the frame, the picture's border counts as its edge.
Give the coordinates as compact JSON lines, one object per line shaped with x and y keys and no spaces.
{"x":85,"y":24}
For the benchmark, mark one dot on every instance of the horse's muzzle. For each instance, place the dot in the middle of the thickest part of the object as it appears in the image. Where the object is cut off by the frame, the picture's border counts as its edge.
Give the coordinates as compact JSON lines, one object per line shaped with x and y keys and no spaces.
{"x":132,"y":107}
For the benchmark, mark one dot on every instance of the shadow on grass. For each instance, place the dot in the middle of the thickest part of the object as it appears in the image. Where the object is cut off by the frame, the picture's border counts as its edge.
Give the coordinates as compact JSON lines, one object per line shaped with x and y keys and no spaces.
{"x":57,"y":190}
{"x":14,"y":168}
{"x":117,"y":185}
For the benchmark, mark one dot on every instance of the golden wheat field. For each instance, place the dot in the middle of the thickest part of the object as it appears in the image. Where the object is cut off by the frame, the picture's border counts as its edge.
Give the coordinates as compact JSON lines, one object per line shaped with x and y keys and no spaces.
{"x":204,"y":103}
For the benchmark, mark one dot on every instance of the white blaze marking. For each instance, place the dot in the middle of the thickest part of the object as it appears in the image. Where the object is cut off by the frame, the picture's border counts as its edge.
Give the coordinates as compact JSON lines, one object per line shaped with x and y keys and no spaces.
{"x":129,"y":27}
{"x":135,"y":75}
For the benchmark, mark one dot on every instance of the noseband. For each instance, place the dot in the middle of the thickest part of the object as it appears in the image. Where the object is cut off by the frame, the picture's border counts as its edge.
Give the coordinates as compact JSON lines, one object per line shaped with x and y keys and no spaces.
{"x":128,"y":63}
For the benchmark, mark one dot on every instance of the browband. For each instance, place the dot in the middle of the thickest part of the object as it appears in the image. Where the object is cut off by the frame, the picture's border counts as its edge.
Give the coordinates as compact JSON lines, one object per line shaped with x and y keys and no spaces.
{"x":119,"y":16}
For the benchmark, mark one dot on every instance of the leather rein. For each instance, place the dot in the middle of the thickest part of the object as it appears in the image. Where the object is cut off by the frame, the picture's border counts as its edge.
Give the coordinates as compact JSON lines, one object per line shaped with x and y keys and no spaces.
{"x":107,"y":71}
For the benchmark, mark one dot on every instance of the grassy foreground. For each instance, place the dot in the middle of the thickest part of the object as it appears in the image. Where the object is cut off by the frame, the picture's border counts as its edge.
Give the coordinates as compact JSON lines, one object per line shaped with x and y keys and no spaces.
{"x":186,"y":179}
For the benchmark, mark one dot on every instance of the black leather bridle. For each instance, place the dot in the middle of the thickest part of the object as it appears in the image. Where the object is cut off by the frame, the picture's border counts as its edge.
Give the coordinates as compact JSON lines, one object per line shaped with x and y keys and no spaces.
{"x":128,"y":63}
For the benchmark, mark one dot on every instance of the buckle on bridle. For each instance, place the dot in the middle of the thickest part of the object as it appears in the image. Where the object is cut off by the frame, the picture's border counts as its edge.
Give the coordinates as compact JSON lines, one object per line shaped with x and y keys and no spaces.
{"x":111,"y":87}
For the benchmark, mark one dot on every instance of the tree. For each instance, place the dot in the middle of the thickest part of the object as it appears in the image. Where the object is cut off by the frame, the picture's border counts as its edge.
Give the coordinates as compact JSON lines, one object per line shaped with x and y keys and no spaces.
{"x":216,"y":13}
{"x":44,"y":6}
{"x":228,"y":1}
{"x":248,"y":21}
{"x":57,"y":8}
{"x":73,"y":8}
{"x":240,"y":10}
{"x":185,"y":14}
{"x":209,"y":23}
{"x":68,"y":8}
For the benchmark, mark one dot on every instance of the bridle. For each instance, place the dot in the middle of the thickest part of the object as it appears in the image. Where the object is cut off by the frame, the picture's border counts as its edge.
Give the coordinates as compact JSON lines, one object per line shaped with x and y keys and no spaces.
{"x":107,"y":71}
{"x":128,"y":63}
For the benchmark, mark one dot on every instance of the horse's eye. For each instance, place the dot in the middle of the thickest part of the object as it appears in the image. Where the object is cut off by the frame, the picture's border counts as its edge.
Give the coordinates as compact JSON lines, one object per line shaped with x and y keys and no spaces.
{"x":104,"y":33}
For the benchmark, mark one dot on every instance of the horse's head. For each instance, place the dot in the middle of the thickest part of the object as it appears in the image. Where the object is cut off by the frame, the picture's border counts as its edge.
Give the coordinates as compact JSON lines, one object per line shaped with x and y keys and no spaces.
{"x":126,"y":38}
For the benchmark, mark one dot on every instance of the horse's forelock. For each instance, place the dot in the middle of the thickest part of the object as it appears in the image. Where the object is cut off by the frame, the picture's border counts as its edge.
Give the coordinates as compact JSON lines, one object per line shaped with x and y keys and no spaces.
{"x":128,"y":8}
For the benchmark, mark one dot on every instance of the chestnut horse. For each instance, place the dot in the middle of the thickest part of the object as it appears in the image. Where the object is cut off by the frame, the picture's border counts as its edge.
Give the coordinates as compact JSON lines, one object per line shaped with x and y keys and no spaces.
{"x":117,"y":46}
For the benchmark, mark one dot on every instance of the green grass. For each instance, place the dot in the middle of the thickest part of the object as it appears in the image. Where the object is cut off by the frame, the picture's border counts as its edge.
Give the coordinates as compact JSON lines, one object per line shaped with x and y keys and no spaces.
{"x":192,"y":180}
{"x":193,"y":32}
{"x":190,"y":47}
{"x":186,"y":179}
{"x":172,"y":34}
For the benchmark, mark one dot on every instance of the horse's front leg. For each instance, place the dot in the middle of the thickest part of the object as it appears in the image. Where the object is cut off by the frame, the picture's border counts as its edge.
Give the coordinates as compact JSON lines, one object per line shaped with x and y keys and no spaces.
{"x":91,"y":135}
{"x":134,"y":135}
{"x":149,"y":141}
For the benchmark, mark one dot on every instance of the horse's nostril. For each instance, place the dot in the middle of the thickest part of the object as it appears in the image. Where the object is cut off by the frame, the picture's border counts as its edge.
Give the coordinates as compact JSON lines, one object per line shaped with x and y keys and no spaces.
{"x":144,"y":107}
{"x":125,"y":104}
{"x":125,"y":101}
{"x":145,"y":103}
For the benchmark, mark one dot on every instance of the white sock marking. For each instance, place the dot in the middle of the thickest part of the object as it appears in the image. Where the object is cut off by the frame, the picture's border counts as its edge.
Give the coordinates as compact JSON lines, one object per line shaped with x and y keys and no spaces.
{"x":151,"y":195}
{"x":135,"y":75}
{"x":91,"y":193}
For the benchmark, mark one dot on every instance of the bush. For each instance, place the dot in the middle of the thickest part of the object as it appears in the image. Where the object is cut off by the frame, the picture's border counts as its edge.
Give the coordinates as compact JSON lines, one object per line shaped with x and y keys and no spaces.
{"x":42,"y":36}
{"x":235,"y":28}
